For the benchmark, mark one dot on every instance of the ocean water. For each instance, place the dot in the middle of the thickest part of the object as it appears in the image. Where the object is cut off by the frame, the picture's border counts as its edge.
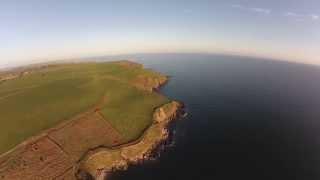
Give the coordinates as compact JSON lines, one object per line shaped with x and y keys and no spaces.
{"x":249,"y":119}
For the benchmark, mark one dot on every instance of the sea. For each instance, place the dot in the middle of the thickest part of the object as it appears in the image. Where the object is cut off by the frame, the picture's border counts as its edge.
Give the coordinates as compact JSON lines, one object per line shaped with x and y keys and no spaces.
{"x":248,"y":119}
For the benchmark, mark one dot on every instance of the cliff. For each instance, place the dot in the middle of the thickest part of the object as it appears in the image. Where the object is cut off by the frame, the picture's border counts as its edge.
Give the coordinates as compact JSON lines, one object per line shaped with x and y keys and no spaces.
{"x":101,"y":162}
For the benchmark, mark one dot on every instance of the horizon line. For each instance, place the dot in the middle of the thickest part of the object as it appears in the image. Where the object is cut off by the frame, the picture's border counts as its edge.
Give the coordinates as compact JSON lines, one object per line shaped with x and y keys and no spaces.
{"x":84,"y":58}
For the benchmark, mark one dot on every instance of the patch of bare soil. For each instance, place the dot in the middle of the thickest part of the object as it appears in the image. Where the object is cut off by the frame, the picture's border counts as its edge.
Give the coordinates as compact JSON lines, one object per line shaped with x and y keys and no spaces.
{"x":42,"y":159}
{"x":85,"y":133}
{"x":55,"y":153}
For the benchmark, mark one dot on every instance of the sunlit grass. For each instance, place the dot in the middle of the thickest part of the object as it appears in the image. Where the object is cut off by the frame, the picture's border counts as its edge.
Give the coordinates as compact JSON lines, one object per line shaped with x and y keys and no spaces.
{"x":41,"y":100}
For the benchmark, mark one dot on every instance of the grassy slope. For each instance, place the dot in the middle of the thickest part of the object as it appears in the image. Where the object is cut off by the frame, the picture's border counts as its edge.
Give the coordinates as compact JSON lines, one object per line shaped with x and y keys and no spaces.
{"x":39,"y":101}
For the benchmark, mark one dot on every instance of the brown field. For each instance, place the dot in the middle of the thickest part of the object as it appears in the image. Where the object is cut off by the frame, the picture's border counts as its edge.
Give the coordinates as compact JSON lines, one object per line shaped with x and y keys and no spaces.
{"x":117,"y":112}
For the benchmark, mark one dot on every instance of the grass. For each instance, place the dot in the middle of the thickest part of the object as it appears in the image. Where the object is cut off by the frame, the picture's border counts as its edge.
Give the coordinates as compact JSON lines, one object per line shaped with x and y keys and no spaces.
{"x":41,"y":100}
{"x":131,"y":110}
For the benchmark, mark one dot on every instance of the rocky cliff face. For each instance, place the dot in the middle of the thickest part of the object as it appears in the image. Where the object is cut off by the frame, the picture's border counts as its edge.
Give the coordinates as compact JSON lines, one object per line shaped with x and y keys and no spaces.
{"x":149,"y":84}
{"x":167,"y":112}
{"x":102,"y":162}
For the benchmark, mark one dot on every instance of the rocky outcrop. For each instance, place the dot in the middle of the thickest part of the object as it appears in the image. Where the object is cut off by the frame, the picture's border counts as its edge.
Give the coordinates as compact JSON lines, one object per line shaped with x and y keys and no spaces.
{"x":102,"y":162}
{"x":167,"y":112}
{"x":149,"y":83}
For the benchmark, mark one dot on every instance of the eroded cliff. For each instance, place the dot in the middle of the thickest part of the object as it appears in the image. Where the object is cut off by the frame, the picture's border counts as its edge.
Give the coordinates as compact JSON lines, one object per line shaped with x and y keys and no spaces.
{"x":100,"y":162}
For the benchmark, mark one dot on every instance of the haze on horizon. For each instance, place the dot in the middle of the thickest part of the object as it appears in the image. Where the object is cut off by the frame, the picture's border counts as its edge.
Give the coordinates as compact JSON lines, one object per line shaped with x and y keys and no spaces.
{"x":39,"y":30}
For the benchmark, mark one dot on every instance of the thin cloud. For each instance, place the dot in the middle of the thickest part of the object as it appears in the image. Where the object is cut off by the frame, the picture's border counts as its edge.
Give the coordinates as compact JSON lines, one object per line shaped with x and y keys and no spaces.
{"x":261,"y":10}
{"x":289,"y":14}
{"x":301,"y":17}
{"x":292,"y":14}
{"x":237,"y":6}
{"x":314,"y":17}
{"x":252,"y":9}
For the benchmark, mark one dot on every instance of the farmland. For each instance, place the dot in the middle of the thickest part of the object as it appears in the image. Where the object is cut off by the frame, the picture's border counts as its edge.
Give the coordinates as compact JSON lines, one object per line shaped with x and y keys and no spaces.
{"x":119,"y":92}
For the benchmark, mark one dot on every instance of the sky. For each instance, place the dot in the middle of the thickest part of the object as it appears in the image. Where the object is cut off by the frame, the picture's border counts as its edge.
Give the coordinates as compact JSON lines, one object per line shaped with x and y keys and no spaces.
{"x":41,"y":30}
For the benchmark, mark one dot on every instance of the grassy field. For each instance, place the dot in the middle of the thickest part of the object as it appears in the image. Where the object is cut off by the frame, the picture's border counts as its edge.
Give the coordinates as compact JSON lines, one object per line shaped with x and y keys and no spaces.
{"x":43,"y":99}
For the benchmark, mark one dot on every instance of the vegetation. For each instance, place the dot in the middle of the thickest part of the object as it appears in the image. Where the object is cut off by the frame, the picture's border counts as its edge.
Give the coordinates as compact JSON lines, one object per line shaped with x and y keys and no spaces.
{"x":44,"y":98}
{"x":120,"y":157}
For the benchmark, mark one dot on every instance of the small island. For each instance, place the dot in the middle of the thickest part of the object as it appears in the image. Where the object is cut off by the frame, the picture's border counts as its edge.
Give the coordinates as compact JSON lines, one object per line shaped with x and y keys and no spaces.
{"x":81,"y":120}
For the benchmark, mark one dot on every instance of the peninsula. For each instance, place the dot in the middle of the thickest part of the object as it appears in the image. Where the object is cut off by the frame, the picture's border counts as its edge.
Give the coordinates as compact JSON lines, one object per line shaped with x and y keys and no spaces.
{"x":80,"y":120}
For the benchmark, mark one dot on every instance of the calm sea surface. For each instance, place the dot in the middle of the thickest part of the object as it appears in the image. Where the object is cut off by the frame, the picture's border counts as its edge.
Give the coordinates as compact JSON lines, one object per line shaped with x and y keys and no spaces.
{"x":248,"y":119}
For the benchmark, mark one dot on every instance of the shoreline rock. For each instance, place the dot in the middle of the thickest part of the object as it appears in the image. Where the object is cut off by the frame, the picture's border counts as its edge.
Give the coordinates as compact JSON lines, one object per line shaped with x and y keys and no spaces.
{"x":103,"y":162}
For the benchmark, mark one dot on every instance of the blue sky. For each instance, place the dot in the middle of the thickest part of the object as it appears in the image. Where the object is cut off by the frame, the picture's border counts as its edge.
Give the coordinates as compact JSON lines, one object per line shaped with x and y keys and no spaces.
{"x":39,"y":30}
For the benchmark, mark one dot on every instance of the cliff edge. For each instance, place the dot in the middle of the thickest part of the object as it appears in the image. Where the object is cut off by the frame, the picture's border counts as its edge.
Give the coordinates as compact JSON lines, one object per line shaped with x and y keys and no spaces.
{"x":101,"y":162}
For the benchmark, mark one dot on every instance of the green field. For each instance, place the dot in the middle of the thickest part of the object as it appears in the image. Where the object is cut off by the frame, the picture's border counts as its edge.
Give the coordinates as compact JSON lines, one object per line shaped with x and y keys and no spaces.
{"x":43,"y":99}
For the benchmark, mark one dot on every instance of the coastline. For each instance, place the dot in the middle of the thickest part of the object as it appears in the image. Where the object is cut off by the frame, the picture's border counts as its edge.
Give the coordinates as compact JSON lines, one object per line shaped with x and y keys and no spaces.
{"x":100,"y":163}
{"x":50,"y":156}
